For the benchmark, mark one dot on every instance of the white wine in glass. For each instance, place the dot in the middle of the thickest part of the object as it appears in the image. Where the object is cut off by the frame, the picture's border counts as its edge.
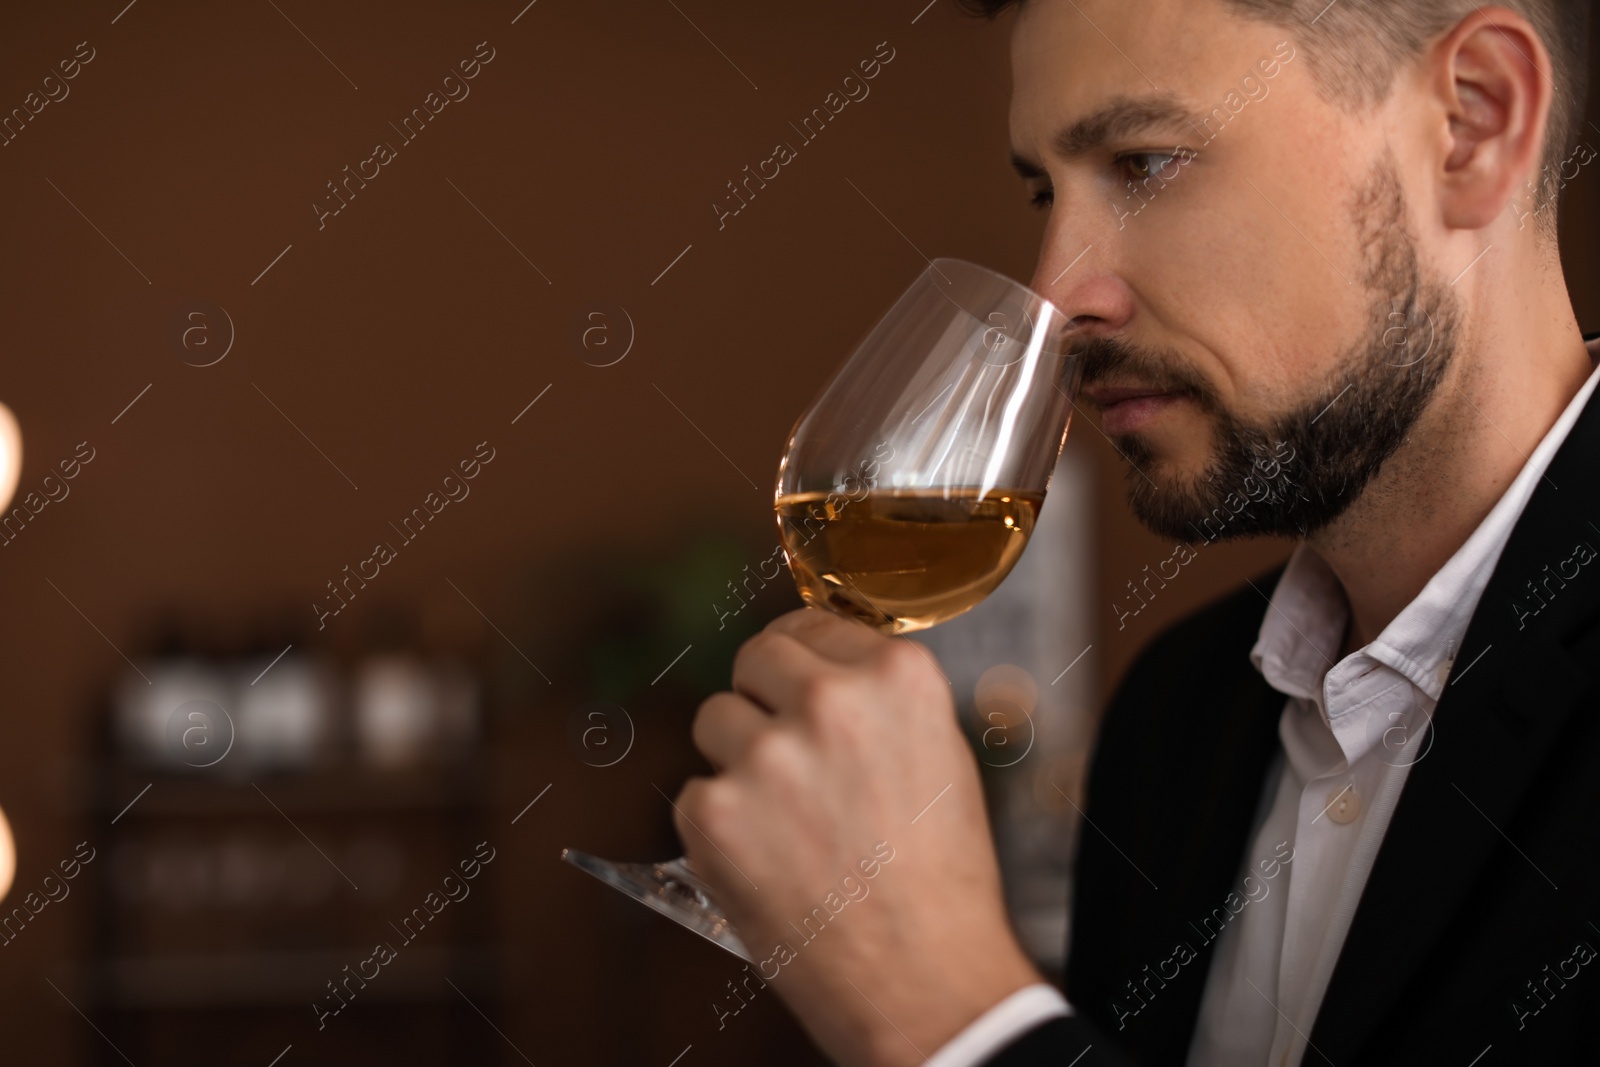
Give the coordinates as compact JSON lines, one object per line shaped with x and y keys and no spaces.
{"x":910,"y":486}
{"x":905,"y":559}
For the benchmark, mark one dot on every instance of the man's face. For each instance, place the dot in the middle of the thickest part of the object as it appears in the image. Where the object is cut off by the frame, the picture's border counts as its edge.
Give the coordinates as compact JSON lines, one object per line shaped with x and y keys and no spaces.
{"x":1259,"y":296}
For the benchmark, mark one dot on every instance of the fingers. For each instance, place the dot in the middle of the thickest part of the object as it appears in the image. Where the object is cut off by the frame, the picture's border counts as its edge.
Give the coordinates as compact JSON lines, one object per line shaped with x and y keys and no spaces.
{"x":828,"y":635}
{"x":785,"y":667}
{"x":773,"y":668}
{"x":724,"y":727}
{"x":691,"y":798}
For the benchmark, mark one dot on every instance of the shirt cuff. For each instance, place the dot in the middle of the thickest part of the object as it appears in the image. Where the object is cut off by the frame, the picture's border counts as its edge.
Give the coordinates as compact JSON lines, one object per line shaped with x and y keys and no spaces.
{"x":997,"y":1027}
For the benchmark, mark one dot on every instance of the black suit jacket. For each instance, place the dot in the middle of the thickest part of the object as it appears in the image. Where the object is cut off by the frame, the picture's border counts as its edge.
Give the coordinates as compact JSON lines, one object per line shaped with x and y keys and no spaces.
{"x":1477,"y":931}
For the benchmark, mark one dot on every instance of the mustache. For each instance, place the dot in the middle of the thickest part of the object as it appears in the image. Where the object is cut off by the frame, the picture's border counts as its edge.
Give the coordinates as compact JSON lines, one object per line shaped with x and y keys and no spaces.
{"x":1112,"y":357}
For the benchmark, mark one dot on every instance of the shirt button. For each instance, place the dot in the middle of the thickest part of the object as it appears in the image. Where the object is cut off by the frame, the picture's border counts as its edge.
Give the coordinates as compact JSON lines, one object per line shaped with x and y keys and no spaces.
{"x":1344,"y":805}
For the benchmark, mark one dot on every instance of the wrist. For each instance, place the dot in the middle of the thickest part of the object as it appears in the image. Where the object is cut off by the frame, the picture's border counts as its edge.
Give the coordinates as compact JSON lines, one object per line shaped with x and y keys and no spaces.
{"x":936,"y":1002}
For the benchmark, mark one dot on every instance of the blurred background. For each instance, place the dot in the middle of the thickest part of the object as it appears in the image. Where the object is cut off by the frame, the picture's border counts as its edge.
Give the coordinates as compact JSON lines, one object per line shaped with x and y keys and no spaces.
{"x":526,"y":354}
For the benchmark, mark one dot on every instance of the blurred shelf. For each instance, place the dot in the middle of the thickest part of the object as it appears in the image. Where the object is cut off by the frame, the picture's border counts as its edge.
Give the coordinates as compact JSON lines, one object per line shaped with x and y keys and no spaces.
{"x":415,"y":975}
{"x":327,"y":790}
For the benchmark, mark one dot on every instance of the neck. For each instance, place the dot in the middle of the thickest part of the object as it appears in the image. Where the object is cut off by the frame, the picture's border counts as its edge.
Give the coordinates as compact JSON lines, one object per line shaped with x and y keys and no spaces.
{"x":1516,"y":368}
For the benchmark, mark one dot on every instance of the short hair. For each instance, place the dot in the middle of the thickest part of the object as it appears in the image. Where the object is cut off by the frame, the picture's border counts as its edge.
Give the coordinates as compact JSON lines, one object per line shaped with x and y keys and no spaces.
{"x":1354,"y":48}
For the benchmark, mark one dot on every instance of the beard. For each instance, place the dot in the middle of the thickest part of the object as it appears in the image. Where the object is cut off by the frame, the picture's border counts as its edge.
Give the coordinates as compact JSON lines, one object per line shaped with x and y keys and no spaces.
{"x":1297,"y":471}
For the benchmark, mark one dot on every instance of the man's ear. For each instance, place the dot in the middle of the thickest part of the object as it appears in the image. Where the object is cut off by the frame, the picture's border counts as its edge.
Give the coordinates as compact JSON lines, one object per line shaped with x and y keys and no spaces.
{"x":1492,"y":76}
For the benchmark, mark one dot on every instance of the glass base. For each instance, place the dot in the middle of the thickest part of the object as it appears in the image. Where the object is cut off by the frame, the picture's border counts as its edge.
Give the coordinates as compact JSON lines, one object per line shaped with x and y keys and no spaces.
{"x":672,"y":889}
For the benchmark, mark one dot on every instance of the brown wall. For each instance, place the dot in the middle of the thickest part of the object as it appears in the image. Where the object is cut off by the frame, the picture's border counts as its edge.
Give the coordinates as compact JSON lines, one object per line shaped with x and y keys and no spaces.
{"x":409,"y":329}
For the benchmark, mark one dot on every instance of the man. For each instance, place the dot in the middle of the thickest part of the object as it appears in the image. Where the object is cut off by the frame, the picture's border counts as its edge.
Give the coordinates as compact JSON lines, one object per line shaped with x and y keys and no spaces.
{"x":1346,"y":815}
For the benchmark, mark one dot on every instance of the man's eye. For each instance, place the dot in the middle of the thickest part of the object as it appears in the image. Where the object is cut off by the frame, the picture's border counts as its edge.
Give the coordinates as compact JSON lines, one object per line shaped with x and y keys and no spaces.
{"x":1043,"y":198}
{"x":1141,"y":166}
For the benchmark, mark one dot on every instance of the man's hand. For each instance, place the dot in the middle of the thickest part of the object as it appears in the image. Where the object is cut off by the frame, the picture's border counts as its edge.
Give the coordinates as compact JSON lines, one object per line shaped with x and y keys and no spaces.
{"x":845,"y":837}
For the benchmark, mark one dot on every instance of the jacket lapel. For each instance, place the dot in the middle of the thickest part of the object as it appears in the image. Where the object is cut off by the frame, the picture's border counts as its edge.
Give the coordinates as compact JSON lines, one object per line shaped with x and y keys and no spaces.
{"x":1172,"y":799}
{"x":1513,"y":691}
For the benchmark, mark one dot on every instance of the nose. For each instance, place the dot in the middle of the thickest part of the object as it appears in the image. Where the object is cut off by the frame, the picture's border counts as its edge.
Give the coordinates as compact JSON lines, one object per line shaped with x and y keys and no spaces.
{"x":1078,"y":276}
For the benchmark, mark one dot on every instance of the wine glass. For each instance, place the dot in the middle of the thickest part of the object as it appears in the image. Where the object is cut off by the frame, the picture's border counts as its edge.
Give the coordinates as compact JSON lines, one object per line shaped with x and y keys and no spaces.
{"x":909,"y":487}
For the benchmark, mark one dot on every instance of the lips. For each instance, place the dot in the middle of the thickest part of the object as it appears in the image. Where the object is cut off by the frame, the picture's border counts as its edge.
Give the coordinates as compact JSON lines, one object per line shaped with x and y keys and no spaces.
{"x":1105,"y":396}
{"x":1125,"y":409}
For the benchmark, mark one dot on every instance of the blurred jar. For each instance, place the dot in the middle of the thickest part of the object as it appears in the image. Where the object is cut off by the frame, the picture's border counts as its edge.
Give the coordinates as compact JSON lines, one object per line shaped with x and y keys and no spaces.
{"x":409,"y":712}
{"x":179,"y":717}
{"x":284,"y":716}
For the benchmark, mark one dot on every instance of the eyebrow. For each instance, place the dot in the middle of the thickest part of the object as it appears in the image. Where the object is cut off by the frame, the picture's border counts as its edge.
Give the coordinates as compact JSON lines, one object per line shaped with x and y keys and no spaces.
{"x":1123,"y":116}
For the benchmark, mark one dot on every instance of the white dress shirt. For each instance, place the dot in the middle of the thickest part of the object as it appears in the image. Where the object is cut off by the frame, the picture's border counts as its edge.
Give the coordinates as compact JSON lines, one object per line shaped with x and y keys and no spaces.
{"x":1350,"y":732}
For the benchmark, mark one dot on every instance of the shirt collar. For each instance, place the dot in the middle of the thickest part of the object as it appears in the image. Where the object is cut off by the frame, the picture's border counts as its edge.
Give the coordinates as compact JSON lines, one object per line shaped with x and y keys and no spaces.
{"x":1304,"y":626}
